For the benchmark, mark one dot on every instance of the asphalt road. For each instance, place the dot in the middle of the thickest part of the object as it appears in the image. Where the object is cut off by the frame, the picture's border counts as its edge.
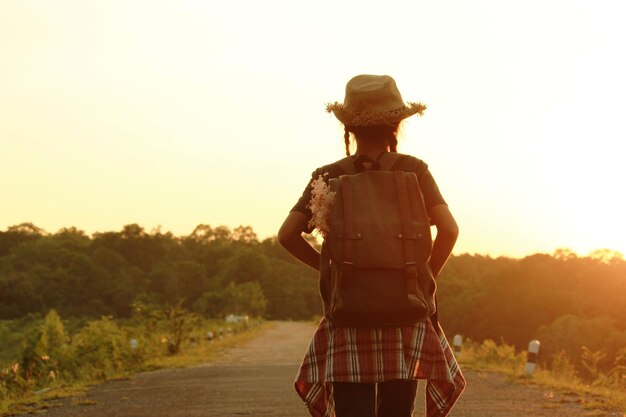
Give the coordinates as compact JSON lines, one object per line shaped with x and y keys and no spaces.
{"x":257,"y":380}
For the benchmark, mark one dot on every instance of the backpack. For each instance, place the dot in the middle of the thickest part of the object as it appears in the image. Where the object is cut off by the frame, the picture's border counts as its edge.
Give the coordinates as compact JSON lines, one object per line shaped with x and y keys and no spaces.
{"x":374,"y":261}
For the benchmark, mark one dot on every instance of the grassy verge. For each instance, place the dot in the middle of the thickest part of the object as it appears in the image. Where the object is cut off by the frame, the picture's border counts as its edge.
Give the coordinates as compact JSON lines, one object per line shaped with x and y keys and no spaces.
{"x":204,"y":353}
{"x":156,"y":357}
{"x":502,"y":359}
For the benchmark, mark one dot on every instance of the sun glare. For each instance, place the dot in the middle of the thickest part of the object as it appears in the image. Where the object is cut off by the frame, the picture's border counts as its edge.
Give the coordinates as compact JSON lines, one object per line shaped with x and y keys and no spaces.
{"x":111,"y":117}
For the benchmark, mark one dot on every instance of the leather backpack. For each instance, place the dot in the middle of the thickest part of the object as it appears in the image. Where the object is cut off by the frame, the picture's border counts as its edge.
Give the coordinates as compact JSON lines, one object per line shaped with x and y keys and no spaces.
{"x":374,"y":269}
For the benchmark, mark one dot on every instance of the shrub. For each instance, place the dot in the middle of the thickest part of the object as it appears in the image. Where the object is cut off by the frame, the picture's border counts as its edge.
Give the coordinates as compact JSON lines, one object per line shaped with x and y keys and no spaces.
{"x":498,"y":355}
{"x":101,"y":350}
{"x":562,"y":367}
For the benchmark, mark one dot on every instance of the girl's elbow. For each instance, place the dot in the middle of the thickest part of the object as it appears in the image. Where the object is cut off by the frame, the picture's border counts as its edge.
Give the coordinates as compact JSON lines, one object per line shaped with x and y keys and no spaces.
{"x":285,"y":236}
{"x":450,"y":231}
{"x":291,"y":228}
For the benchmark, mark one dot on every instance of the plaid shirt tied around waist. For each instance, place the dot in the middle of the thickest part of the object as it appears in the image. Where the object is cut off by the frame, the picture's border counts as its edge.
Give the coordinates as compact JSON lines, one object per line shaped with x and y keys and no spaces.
{"x":369,"y":355}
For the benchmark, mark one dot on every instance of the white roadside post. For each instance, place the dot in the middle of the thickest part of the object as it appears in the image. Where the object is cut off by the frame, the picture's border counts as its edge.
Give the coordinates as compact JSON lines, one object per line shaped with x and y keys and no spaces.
{"x":531,"y":360}
{"x":457,"y":342}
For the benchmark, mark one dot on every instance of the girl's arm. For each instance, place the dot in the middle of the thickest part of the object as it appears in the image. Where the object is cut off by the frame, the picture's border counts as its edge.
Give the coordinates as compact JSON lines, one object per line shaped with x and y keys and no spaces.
{"x":447,"y":233}
{"x":290,"y":237}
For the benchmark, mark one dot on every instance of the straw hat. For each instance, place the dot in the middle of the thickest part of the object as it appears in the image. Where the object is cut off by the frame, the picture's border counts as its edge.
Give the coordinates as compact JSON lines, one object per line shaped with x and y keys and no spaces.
{"x":373,"y":100}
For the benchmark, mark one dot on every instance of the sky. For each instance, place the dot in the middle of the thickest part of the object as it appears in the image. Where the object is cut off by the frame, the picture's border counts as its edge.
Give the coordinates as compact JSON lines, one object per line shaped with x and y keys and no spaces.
{"x":179,"y":113}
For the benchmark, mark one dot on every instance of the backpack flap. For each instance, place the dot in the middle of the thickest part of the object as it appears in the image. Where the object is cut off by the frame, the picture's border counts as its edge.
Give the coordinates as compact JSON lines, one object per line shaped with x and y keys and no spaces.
{"x":366,"y":222}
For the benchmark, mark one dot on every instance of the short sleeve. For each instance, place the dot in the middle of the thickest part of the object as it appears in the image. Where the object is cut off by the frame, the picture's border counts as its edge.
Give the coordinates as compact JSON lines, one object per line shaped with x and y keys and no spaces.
{"x":430,"y":190}
{"x":304,"y":200}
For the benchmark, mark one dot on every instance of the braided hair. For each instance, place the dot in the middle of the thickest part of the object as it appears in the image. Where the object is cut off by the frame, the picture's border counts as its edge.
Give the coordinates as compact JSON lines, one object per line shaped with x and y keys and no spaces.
{"x":386,"y":134}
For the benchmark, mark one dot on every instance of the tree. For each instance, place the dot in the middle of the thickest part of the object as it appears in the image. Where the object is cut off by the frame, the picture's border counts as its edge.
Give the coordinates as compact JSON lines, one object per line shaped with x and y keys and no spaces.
{"x":245,"y":234}
{"x":246,"y":265}
{"x":238,"y":299}
{"x":246,"y":298}
{"x":21,"y":233}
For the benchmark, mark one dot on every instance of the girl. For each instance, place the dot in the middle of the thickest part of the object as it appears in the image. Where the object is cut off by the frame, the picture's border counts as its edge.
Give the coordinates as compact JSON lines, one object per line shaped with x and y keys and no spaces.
{"x":373,"y":372}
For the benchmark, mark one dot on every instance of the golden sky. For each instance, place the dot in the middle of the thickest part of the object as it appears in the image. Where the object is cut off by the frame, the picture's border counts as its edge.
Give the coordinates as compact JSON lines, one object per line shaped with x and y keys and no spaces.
{"x":177,"y":113}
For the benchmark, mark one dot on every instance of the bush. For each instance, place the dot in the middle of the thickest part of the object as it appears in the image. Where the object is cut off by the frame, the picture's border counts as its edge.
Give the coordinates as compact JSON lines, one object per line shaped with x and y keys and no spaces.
{"x":492,"y":355}
{"x":562,"y":367}
{"x":101,"y":350}
{"x":12,"y":383}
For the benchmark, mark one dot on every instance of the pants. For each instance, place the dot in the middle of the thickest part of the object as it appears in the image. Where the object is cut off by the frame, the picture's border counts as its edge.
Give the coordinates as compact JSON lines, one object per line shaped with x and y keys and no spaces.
{"x":394,"y":399}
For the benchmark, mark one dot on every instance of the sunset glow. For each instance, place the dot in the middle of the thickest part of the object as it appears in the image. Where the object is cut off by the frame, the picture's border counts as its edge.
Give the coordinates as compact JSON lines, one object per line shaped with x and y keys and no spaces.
{"x":181,"y":113}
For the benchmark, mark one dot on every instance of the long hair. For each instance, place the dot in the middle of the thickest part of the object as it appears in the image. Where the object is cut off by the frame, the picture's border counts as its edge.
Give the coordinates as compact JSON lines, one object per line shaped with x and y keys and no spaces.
{"x":387,"y":135}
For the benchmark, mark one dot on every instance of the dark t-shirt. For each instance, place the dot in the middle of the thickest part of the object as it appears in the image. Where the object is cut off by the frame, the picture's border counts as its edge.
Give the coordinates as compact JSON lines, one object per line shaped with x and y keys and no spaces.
{"x":430,"y":191}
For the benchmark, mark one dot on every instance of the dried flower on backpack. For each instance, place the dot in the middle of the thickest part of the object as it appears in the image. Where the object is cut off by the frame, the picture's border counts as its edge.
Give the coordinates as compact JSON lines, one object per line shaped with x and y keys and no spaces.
{"x":321,"y":204}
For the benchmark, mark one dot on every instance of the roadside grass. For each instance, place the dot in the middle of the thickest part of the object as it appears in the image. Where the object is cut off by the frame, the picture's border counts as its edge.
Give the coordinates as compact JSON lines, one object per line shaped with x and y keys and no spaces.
{"x":202,"y":351}
{"x":501,"y":358}
{"x":592,"y":397}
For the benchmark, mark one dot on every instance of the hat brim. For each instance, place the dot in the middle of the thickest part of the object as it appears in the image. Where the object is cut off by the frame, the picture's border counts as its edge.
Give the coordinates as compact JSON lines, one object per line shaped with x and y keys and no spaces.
{"x":374,"y":119}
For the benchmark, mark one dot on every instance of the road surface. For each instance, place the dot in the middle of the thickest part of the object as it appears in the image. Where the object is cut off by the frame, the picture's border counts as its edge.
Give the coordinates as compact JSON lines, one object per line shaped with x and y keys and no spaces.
{"x":257,"y":380}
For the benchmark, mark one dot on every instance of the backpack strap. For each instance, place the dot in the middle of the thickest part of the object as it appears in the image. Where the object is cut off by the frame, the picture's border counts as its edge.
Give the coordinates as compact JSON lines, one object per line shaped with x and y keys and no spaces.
{"x":348,"y":230}
{"x":408,"y":240}
{"x":347,"y":164}
{"x":388,"y":160}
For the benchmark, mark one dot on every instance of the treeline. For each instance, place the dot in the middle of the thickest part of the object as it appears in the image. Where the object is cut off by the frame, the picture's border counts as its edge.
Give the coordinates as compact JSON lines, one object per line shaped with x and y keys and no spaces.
{"x":564,"y":300}
{"x":575,"y":306}
{"x":215,"y":271}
